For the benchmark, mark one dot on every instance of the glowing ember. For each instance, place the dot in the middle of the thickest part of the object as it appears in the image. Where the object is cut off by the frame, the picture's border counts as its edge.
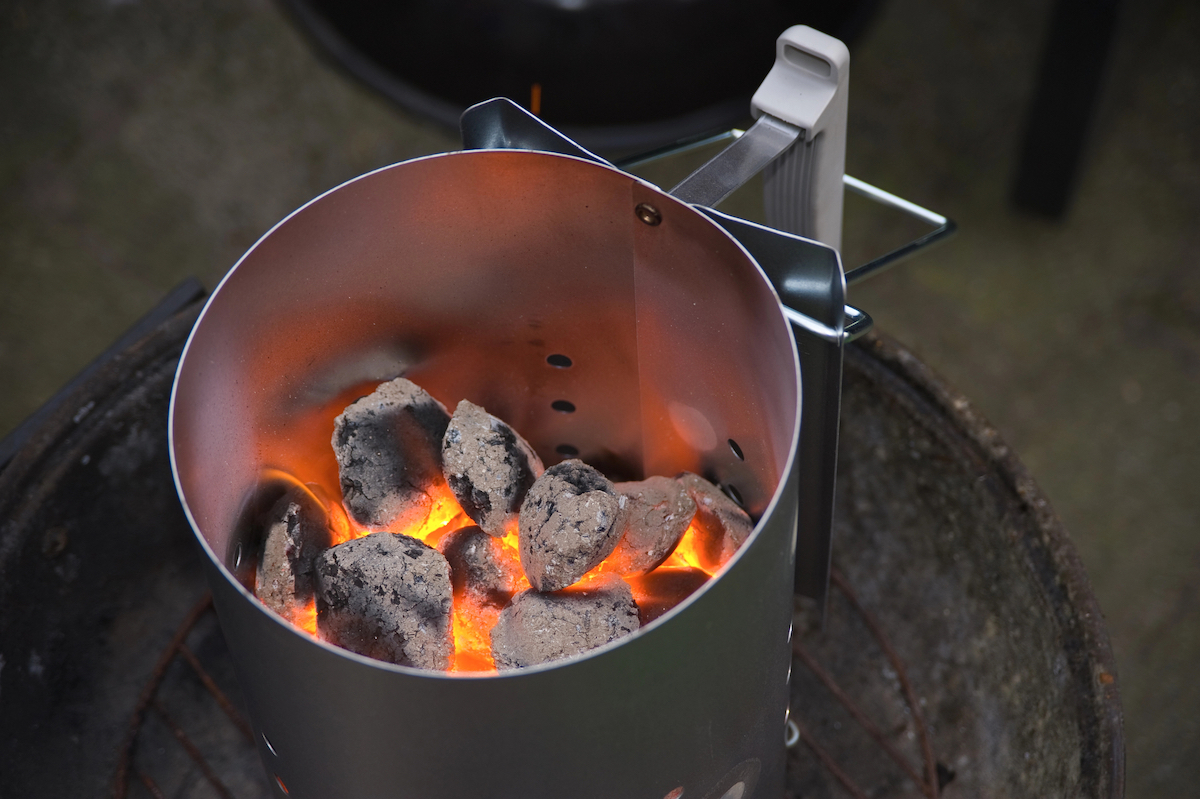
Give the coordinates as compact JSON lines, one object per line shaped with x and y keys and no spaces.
{"x":486,"y":572}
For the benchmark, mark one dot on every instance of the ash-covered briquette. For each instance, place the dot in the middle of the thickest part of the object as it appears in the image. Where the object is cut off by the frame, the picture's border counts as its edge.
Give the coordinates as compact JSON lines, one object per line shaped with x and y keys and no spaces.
{"x":663,"y":589}
{"x":389,"y":452}
{"x":570,"y":521}
{"x":387,"y":596}
{"x":657,"y":510}
{"x":488,"y":467}
{"x":538,"y":628}
{"x":297,"y":532}
{"x":721,"y":526}
{"x":478,"y":569}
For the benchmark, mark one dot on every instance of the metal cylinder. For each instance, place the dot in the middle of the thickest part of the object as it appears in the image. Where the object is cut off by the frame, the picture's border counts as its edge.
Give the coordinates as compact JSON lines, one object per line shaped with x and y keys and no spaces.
{"x":465,"y":272}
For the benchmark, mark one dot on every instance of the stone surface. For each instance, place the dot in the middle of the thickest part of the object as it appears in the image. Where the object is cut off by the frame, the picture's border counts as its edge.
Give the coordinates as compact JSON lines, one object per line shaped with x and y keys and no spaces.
{"x":296,"y":535}
{"x":570,"y":521}
{"x":387,"y":596}
{"x":721,"y":526}
{"x":480,"y":570}
{"x":488,"y":466}
{"x":657,"y":512}
{"x":539,"y":628}
{"x":389,"y":452}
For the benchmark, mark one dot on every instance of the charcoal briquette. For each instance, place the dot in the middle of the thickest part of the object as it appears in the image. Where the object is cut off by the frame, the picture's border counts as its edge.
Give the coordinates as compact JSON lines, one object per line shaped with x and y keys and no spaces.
{"x":387,"y":596}
{"x":297,"y":532}
{"x":721,"y":525}
{"x":488,"y":466}
{"x":572,"y":518}
{"x":479,"y":569}
{"x":389,"y":452}
{"x":540,"y":628}
{"x":658,"y":510}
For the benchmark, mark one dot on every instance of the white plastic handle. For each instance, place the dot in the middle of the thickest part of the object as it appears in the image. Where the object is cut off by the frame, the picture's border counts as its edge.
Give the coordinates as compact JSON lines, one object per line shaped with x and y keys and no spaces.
{"x":807,"y":87}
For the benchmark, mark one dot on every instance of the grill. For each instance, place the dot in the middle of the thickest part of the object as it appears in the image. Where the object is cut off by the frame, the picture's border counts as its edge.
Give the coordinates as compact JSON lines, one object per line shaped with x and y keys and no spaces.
{"x":184,"y":732}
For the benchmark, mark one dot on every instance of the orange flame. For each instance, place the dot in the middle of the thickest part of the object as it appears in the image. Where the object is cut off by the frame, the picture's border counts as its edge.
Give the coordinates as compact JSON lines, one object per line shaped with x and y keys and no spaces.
{"x":306,"y":618}
{"x":472,"y":620}
{"x":687,"y":553}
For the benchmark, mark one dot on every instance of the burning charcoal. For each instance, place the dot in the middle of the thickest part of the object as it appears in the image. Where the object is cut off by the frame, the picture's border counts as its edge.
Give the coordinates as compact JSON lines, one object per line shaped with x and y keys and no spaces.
{"x":387,"y":596}
{"x":663,"y":589}
{"x":658,"y":510}
{"x":538,"y":628}
{"x":389,"y":454}
{"x":570,"y":521}
{"x":479,"y":569}
{"x":297,"y":532}
{"x":488,"y":467}
{"x":721,"y":526}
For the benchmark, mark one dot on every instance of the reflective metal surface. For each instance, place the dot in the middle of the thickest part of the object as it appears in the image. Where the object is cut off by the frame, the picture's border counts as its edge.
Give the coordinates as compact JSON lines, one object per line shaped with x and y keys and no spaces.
{"x":748,"y":155}
{"x":466,"y":271}
{"x":808,"y":276}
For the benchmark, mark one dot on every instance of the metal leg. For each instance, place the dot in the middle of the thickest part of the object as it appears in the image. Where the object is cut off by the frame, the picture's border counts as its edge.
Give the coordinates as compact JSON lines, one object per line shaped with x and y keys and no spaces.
{"x":1068,"y":84}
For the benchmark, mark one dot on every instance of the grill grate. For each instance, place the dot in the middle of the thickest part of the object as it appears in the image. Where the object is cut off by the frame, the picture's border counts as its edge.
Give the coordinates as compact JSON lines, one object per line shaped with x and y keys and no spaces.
{"x":158,"y":749}
{"x":929,"y":784}
{"x":181,"y":694}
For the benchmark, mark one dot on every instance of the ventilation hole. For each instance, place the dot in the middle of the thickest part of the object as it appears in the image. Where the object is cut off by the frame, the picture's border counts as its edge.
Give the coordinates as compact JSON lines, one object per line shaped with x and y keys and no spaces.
{"x":567,"y":450}
{"x":270,"y":748}
{"x":563,"y":406}
{"x":282,"y":787}
{"x":733,"y":445}
{"x":237,"y":556}
{"x":732,"y":492}
{"x":561,"y":361}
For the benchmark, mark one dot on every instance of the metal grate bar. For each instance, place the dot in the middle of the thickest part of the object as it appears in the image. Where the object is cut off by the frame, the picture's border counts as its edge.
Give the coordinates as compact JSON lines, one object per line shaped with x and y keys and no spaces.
{"x":929,"y":785}
{"x":191,"y":749}
{"x":828,"y":762}
{"x":217,"y":693}
{"x":121,"y":781}
{"x":151,"y":785}
{"x":871,"y":727}
{"x":909,"y":694}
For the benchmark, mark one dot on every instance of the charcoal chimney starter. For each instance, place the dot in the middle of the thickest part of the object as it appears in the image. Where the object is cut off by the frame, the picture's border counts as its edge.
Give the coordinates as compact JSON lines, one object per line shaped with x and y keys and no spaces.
{"x":540,"y":287}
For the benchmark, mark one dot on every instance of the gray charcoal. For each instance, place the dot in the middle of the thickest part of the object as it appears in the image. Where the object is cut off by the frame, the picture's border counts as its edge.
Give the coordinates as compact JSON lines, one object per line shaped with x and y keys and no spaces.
{"x":721,"y":526}
{"x":479,"y":569}
{"x":657,"y":510}
{"x":389,"y":453}
{"x":387,"y":596}
{"x":297,"y":532}
{"x":570,"y":521}
{"x":538,"y":628}
{"x":488,"y":467}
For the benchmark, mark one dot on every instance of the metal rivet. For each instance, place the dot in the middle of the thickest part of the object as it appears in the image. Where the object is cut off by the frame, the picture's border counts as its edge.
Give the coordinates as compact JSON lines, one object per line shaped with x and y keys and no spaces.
{"x":648,"y":214}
